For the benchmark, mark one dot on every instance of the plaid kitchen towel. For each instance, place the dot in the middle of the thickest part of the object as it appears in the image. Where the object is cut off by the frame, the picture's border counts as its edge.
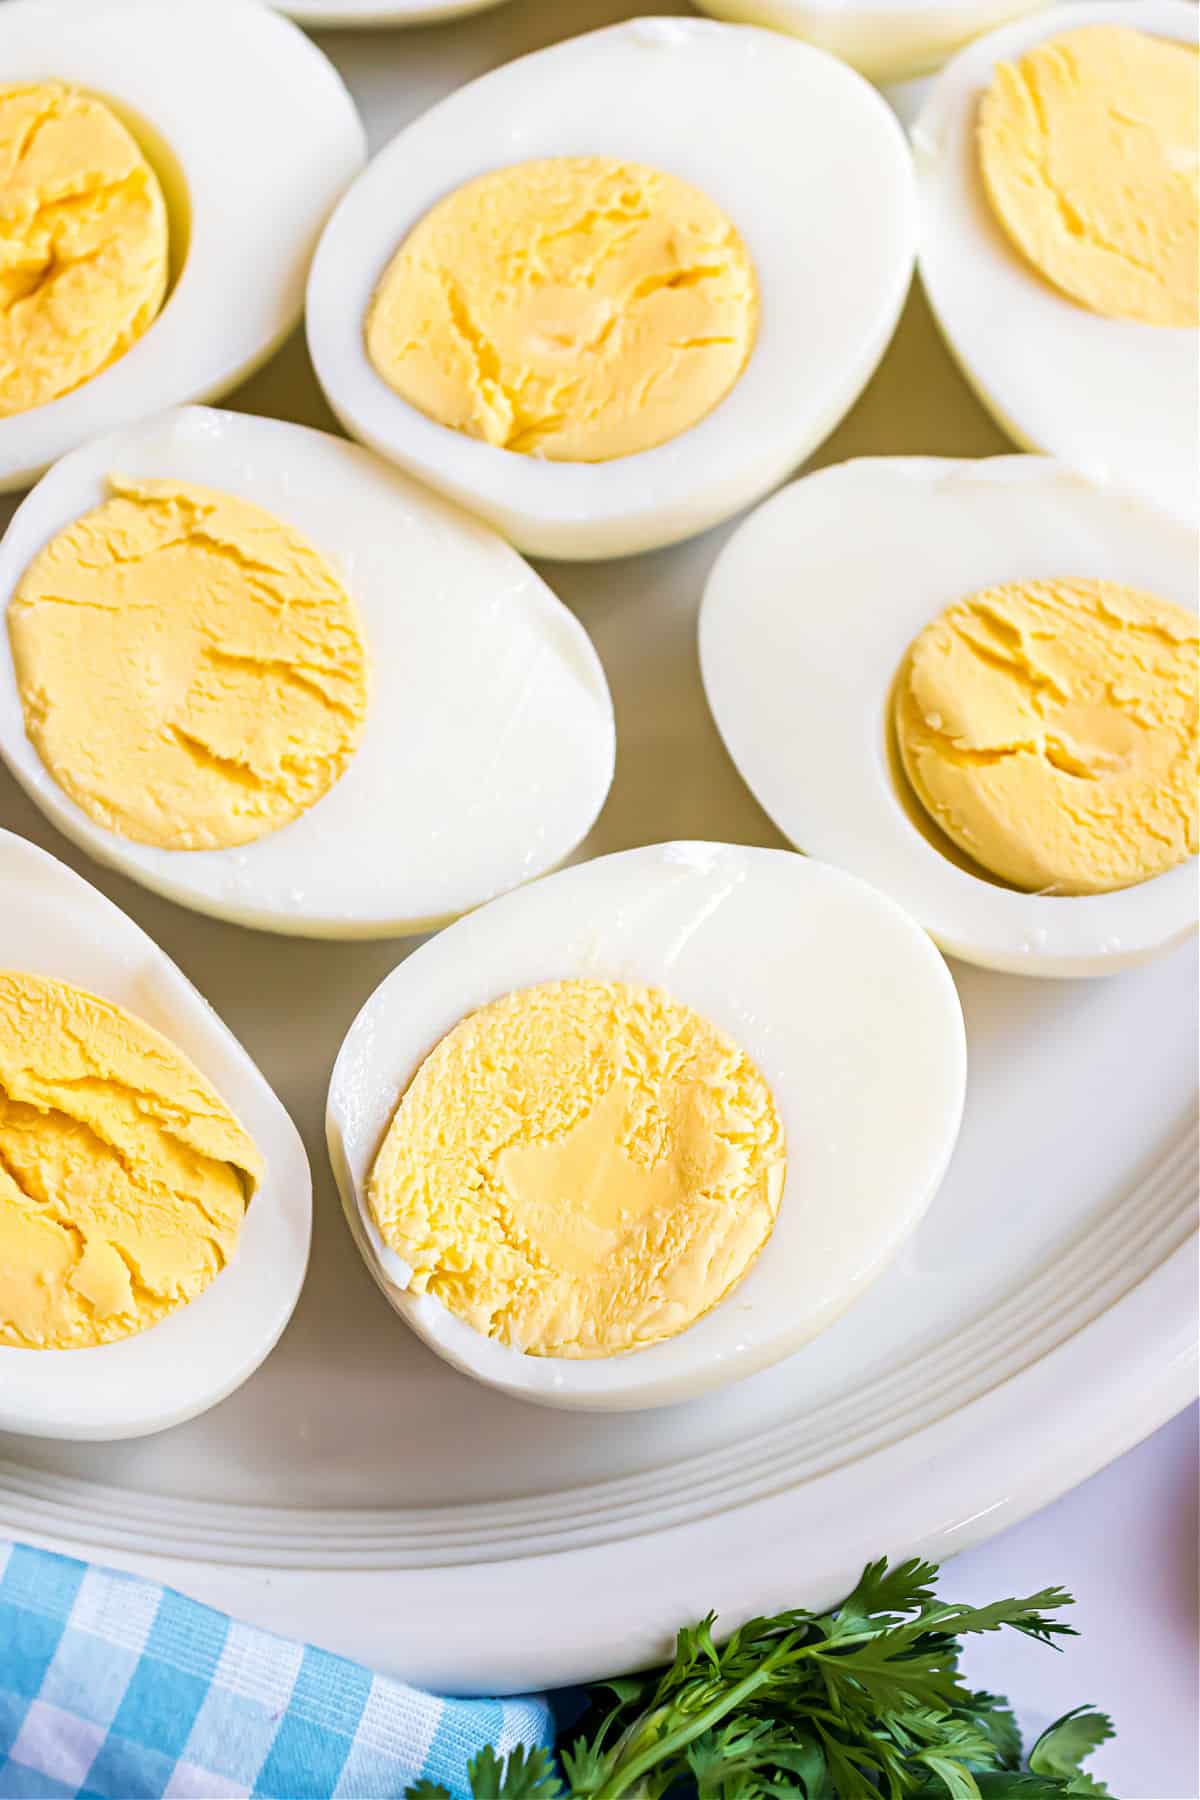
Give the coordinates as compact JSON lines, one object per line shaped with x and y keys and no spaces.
{"x":114,"y":1689}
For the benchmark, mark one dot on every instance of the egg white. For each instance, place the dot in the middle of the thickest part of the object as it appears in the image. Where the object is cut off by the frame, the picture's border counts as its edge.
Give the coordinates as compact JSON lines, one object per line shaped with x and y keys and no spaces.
{"x":343,"y":14}
{"x":53,"y":924}
{"x":806,"y":619}
{"x":489,"y":743}
{"x":806,"y":160}
{"x":1110,"y":396}
{"x":254,"y":137}
{"x":843,"y":1003}
{"x":885,"y":40}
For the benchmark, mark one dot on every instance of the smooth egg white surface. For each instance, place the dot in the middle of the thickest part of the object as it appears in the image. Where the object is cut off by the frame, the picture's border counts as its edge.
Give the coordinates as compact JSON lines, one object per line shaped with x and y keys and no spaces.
{"x":1109,"y":396}
{"x":489,"y":743}
{"x":839,"y":998}
{"x":53,"y":924}
{"x":340,"y":14}
{"x":886,"y":40}
{"x":807,"y":161}
{"x":805,"y":622}
{"x":253,"y":136}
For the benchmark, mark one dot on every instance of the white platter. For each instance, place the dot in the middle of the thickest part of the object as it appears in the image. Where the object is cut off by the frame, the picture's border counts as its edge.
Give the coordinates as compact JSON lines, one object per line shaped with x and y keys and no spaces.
{"x":358,"y":1493}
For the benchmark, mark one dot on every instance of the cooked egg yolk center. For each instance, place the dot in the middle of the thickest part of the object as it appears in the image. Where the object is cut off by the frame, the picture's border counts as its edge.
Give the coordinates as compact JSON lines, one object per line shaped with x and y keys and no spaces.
{"x":581,"y":1168}
{"x":124,"y":1178}
{"x":192,"y":671}
{"x":83,"y":242}
{"x":1050,"y":729}
{"x":1088,"y":149}
{"x":576,"y":309}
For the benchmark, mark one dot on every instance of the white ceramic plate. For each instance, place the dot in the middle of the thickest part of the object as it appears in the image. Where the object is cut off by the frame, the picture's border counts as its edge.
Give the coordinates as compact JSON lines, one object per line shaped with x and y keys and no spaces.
{"x":359,"y":1493}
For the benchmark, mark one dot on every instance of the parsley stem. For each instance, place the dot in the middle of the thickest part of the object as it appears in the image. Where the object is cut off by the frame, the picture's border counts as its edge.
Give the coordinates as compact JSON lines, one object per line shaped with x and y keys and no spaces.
{"x":622,"y":1780}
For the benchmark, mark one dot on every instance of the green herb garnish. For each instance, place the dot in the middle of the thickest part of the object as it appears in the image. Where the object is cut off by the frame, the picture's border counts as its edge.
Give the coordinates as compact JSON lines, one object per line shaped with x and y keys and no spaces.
{"x":864,"y":1700}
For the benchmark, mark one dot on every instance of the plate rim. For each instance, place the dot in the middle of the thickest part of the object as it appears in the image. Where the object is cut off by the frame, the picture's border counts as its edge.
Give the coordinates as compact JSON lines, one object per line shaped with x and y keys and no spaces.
{"x":437,"y":1536}
{"x":952,"y":1484}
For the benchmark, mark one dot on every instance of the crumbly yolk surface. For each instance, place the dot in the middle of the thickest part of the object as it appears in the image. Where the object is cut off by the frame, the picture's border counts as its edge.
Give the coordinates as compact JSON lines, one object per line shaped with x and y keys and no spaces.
{"x":581,"y":1168}
{"x":1050,"y":729}
{"x":83,"y":242}
{"x":576,"y":308}
{"x":192,"y":671}
{"x":124,"y":1177}
{"x":1088,"y":149}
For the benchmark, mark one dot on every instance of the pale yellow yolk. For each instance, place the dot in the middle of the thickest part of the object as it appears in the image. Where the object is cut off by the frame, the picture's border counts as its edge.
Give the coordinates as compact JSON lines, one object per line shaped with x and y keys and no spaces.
{"x":580,"y":1169}
{"x":1088,"y":147}
{"x":191,"y":669}
{"x":83,"y":242}
{"x":575,"y":309}
{"x":1050,"y":729}
{"x":124,"y":1177}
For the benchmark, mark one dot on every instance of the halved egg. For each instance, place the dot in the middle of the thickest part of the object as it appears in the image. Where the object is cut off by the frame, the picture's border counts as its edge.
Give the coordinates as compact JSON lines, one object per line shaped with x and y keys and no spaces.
{"x":56,"y":929}
{"x":828,"y":1023}
{"x":887,"y":40}
{"x":809,"y":615}
{"x":1113,"y":395}
{"x":289,"y":686}
{"x":250,"y":137}
{"x":570,"y":301}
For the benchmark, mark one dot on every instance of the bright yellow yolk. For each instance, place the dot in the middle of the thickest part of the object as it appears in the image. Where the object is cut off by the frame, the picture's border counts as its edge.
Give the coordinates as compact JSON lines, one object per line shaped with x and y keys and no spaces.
{"x":1050,"y":729}
{"x":83,"y":242}
{"x":581,"y":1168}
{"x":191,"y":670}
{"x":575,"y":309}
{"x":1088,"y":147}
{"x":124,"y":1177}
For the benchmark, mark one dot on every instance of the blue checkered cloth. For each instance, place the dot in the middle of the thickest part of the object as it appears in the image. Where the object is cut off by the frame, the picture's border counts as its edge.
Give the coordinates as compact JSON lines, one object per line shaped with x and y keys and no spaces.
{"x":114,"y":1689}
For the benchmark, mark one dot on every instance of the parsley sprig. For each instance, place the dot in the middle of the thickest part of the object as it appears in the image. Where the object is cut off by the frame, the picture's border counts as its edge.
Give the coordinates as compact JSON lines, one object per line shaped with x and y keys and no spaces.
{"x":862,"y":1701}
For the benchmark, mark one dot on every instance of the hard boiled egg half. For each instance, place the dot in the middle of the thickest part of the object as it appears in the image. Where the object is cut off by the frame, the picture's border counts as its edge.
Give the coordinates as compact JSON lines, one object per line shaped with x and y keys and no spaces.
{"x":613,"y":291}
{"x":844,"y":1011}
{"x":1113,"y":395}
{"x":54,"y":926}
{"x":275,"y":680}
{"x":888,"y":40}
{"x":250,"y":137}
{"x":810,"y":613}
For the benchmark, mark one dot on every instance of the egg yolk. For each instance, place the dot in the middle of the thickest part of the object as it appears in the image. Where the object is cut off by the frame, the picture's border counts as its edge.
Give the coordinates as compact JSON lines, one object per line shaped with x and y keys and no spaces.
{"x":124,"y":1177}
{"x":581,"y":1168}
{"x":83,"y":242}
{"x":576,"y":309}
{"x":191,"y":670}
{"x":1088,"y":149}
{"x":1050,"y":729}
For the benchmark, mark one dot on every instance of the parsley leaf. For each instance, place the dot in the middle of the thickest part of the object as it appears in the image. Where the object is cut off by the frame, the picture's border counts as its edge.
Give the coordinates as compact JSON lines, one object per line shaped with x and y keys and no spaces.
{"x":991,"y":1713}
{"x":862,"y":1702}
{"x":1064,"y":1745}
{"x":524,"y":1775}
{"x":884,"y":1590}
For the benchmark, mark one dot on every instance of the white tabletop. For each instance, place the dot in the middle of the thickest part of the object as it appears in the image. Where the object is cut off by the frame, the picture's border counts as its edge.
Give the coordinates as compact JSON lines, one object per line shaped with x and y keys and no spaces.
{"x":1125,"y":1545}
